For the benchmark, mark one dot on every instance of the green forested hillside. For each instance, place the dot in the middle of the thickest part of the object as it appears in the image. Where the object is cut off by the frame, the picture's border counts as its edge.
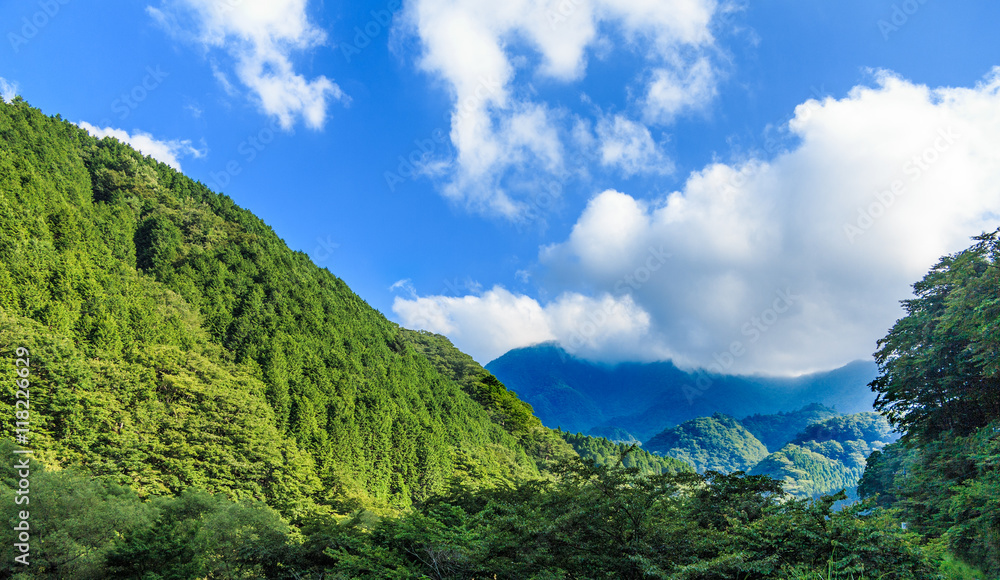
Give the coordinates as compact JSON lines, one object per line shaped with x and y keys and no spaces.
{"x":827,"y":456}
{"x":717,"y":443}
{"x":176,"y":341}
{"x":780,"y":428}
{"x":616,"y":434}
{"x":604,"y":452}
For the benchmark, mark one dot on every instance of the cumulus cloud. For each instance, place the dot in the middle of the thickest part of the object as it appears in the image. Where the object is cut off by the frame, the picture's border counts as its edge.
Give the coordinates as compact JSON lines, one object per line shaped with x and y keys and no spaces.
{"x":8,"y":89}
{"x":501,"y":135}
{"x":168,"y":152}
{"x":496,"y":321}
{"x":261,"y":36}
{"x":796,"y":262}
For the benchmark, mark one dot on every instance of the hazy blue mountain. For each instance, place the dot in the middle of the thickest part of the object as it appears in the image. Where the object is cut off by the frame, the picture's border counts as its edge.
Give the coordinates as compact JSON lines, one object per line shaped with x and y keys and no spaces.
{"x":645,"y":398}
{"x":717,"y":443}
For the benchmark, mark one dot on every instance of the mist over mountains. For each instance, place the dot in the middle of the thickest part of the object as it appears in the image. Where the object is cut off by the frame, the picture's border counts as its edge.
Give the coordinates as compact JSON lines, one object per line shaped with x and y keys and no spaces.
{"x":644,"y":398}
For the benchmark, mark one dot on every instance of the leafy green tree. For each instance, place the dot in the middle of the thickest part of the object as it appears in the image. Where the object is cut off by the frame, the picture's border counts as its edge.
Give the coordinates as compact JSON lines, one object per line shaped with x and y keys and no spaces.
{"x":74,"y":521}
{"x":939,"y":366}
{"x":939,"y":383}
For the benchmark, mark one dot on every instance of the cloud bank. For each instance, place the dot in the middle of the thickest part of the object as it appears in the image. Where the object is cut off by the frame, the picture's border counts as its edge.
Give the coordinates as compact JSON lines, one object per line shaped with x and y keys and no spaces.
{"x":796,"y":262}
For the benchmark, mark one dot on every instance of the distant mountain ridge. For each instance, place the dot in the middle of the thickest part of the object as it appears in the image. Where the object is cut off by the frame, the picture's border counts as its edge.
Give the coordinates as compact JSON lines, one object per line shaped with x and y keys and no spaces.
{"x":644,"y":398}
{"x":716,"y":443}
{"x":780,"y":428}
{"x":826,"y":455}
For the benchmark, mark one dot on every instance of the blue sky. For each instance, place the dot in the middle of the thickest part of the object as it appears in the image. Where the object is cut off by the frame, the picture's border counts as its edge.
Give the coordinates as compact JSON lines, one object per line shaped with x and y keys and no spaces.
{"x":752,"y":186}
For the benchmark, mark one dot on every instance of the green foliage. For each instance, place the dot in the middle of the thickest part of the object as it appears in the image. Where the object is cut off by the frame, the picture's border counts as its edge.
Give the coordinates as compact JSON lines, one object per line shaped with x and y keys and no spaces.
{"x":585,"y":521}
{"x":940,"y":364}
{"x":716,"y":443}
{"x":84,"y":527}
{"x":613,"y":434}
{"x":630,"y":455}
{"x":609,"y":522}
{"x":502,"y":405}
{"x":945,"y":488}
{"x":777,"y":429}
{"x":939,"y":383}
{"x":198,"y":535}
{"x":74,"y":520}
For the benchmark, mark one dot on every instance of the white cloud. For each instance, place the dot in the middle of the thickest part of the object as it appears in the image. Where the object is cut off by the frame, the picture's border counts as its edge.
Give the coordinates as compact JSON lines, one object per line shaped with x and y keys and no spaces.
{"x":801,"y":258}
{"x":261,"y":36}
{"x":505,"y":139}
{"x":672,"y":91}
{"x":405,"y":285}
{"x":168,"y":152}
{"x":630,"y":147}
{"x":8,"y":89}
{"x":490,"y":324}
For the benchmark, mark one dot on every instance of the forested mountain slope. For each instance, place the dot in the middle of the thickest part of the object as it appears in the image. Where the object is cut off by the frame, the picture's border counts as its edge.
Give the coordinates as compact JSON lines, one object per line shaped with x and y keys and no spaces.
{"x":175,"y":346}
{"x":716,"y":443}
{"x":630,"y":455}
{"x":828,"y":456}
{"x":176,"y":341}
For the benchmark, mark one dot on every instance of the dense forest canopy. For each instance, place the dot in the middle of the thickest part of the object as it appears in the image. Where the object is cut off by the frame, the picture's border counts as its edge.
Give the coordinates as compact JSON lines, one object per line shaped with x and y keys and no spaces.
{"x":940,"y":384}
{"x":827,"y":456}
{"x":181,"y":343}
